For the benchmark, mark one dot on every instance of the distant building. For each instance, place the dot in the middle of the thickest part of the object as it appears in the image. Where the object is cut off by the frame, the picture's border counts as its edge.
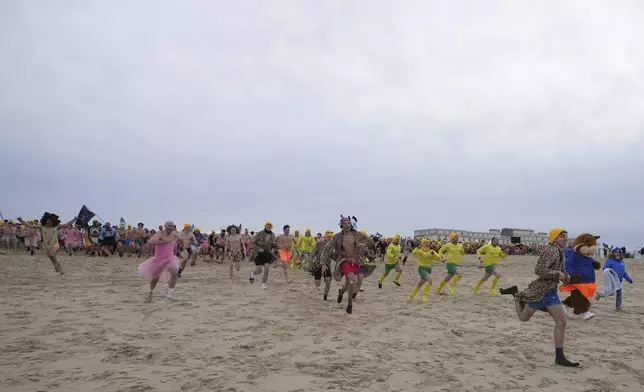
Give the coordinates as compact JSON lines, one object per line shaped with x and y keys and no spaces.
{"x":505,"y":235}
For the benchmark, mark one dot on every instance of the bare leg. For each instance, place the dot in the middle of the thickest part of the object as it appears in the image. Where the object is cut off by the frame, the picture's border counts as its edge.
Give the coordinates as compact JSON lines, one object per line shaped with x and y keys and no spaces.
{"x":174,"y":276}
{"x":265,"y":276}
{"x":230,"y":271}
{"x":57,"y":266}
{"x":524,"y":312}
{"x":558,"y":314}
{"x":358,"y":285}
{"x":351,"y":286}
{"x":285,"y":267}
{"x":327,"y":286}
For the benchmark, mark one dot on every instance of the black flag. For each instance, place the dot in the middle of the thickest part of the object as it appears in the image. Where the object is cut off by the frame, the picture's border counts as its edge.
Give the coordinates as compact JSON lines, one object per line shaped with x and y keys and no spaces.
{"x":84,"y":216}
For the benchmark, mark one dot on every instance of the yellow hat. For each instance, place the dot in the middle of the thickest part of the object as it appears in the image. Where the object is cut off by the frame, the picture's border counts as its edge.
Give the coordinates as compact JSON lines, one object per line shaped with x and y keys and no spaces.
{"x":307,"y":230}
{"x":328,"y":233}
{"x":187,"y":225}
{"x":363,"y":232}
{"x":452,"y":236}
{"x":424,"y":241}
{"x":197,"y":229}
{"x":396,"y":237}
{"x":554,"y":233}
{"x":268,"y":223}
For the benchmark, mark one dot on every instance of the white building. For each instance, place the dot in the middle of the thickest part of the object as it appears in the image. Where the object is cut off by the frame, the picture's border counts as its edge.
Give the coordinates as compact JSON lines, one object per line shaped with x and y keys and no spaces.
{"x":505,"y":235}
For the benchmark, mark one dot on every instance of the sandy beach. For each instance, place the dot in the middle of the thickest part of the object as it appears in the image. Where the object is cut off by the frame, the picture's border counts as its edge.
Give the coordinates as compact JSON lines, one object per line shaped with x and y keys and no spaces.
{"x":90,"y":330}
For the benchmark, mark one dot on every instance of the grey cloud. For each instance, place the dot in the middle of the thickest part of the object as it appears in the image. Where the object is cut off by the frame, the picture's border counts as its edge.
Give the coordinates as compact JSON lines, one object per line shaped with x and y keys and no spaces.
{"x":422,"y":114}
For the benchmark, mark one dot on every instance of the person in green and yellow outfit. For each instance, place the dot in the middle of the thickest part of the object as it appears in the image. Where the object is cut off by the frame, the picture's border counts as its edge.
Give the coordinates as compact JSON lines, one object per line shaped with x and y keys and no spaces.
{"x":425,"y":258}
{"x":297,"y":239}
{"x":306,"y":244}
{"x":454,"y":252}
{"x":393,"y":261}
{"x":491,"y":252}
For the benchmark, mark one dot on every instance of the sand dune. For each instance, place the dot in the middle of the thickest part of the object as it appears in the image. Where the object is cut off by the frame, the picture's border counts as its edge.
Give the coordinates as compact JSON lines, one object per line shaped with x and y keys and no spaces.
{"x":90,"y":330}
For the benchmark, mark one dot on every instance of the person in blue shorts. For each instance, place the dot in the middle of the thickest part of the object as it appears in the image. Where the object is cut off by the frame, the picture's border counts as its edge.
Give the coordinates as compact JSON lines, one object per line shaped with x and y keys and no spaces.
{"x":542,"y":294}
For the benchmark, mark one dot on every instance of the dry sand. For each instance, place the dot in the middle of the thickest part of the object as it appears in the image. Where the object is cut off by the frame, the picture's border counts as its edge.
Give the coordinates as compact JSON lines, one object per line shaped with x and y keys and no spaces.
{"x":90,"y":330}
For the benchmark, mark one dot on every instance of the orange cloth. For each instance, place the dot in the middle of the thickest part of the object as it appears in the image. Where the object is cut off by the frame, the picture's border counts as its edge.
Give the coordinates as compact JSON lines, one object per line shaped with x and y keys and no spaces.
{"x":586,"y":289}
{"x":286,"y":255}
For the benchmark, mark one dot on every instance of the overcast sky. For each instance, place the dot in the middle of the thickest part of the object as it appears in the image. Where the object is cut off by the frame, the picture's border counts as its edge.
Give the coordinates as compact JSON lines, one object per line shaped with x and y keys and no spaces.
{"x":417,"y":114}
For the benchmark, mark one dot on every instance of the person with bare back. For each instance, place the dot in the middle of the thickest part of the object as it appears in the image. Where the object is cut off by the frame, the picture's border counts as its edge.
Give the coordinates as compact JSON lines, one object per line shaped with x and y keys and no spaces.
{"x":348,"y":246}
{"x":235,"y":250}
{"x":285,"y":247}
{"x":187,"y":240}
{"x":49,"y":226}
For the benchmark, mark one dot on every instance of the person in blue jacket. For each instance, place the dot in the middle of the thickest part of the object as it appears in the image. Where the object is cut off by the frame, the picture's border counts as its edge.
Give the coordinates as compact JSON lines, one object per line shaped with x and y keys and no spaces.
{"x":580,"y":264}
{"x":616,"y":263}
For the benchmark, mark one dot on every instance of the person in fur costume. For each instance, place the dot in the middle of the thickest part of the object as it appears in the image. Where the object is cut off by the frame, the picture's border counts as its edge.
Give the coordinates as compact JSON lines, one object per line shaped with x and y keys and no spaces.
{"x":579,"y":262}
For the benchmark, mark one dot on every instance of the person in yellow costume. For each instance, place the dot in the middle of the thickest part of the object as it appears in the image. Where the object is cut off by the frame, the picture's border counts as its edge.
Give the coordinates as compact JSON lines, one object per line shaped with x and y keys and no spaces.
{"x":392,"y":261}
{"x":425,"y":258}
{"x":454,"y":252}
{"x":305,"y":247}
{"x":491,"y":253}
{"x":296,"y":248}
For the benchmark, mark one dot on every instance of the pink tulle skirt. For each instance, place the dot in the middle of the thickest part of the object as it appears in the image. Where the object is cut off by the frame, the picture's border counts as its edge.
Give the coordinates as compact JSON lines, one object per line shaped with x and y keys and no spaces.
{"x":159,"y":266}
{"x":73,"y":242}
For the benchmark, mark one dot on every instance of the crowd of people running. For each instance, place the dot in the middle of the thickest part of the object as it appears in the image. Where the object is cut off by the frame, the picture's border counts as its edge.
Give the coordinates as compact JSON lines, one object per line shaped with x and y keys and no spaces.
{"x":348,"y":255}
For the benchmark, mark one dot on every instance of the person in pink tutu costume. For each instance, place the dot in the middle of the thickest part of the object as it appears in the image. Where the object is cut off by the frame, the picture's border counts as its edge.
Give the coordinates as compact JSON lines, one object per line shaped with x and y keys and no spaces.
{"x":163,"y":265}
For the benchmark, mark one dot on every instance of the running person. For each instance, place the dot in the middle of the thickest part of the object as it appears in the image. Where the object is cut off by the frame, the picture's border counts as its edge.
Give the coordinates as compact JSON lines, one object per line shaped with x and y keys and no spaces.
{"x":542,"y":294}
{"x":319,"y":270}
{"x":262,"y":253}
{"x":393,"y":262}
{"x":187,"y":239}
{"x":307,"y":242}
{"x":164,"y":264}
{"x":49,"y":226}
{"x":347,"y":247}
{"x":285,"y":246}
{"x":425,"y":258}
{"x":492,"y":252}
{"x":454,"y":251}
{"x":235,"y":250}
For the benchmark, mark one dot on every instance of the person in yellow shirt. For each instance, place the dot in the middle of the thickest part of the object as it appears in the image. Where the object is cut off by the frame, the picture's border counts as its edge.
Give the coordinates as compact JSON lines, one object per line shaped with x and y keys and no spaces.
{"x":296,"y":248}
{"x":425,"y":258}
{"x":491,"y":252}
{"x":454,"y":252}
{"x":393,"y":261}
{"x":305,"y":247}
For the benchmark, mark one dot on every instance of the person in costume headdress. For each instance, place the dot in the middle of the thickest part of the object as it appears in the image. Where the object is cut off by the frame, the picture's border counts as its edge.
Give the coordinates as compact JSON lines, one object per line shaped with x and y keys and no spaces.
{"x":347,"y":247}
{"x":542,"y":293}
{"x":49,"y":226}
